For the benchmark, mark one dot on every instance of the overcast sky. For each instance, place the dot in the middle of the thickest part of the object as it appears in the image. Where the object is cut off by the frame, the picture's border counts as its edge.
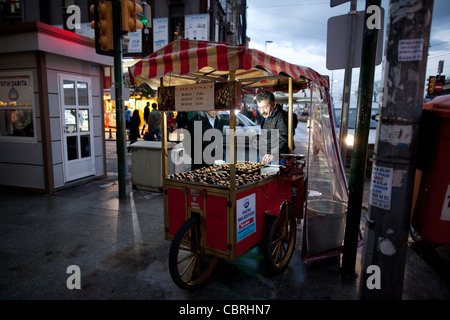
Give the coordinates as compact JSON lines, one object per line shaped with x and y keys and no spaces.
{"x":298,"y":29}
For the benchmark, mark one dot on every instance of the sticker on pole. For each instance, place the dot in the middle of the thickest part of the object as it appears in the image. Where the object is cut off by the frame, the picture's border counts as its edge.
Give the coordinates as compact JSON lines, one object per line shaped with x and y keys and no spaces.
{"x":445,"y":213}
{"x":410,"y":50}
{"x":245,"y":217}
{"x":381,"y":187}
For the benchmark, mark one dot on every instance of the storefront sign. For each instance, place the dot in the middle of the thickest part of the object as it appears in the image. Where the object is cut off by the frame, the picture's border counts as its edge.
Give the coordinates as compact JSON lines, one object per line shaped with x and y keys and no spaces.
{"x":132,"y":42}
{"x":245,"y":217}
{"x":160,"y":33}
{"x":196,"y":27}
{"x":15,"y":91}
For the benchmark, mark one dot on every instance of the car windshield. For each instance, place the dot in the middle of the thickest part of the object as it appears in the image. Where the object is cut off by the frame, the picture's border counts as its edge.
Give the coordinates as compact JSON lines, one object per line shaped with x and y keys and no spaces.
{"x":352,"y":112}
{"x":241,"y":120}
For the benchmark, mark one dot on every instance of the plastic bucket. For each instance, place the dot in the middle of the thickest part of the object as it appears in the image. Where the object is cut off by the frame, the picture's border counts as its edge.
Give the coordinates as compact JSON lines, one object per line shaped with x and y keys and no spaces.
{"x":325,"y":225}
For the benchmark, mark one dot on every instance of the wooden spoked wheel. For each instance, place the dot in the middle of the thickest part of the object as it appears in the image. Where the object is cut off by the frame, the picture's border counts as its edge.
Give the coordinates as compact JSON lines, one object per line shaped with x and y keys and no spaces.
{"x":279,"y":240}
{"x":190,"y":267}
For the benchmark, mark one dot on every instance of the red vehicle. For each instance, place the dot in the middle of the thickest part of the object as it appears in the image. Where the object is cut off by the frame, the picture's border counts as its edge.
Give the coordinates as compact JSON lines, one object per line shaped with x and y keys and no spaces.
{"x":226,"y":210}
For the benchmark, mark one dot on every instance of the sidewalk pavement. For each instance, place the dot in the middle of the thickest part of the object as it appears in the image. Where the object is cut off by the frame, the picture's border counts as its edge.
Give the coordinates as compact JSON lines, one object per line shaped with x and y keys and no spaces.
{"x":119,"y":247}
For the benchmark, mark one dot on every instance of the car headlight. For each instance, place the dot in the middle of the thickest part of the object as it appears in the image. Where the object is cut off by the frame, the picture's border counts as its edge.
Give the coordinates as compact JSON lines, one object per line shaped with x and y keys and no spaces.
{"x":349,"y":140}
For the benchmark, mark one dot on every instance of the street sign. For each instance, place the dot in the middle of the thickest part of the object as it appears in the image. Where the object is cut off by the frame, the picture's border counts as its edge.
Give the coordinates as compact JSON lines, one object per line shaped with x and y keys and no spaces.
{"x":438,"y":87}
{"x":338,"y":41}
{"x":334,"y":3}
{"x":440,"y":66}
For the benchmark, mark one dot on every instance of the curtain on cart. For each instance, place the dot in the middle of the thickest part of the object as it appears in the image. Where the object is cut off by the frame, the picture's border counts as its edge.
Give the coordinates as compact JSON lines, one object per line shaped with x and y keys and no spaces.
{"x":327,"y":198}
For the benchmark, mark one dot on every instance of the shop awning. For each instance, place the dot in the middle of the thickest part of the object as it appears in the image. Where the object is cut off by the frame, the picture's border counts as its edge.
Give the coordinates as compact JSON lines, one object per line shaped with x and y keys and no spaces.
{"x":185,"y":62}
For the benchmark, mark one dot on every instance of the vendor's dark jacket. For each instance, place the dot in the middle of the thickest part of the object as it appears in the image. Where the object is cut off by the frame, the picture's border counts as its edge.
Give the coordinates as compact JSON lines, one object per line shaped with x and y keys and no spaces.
{"x":203,"y":117}
{"x":277,"y":120}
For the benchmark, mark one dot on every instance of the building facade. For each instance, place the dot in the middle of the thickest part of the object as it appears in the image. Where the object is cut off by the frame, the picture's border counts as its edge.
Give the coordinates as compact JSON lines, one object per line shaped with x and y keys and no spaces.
{"x":53,"y":85}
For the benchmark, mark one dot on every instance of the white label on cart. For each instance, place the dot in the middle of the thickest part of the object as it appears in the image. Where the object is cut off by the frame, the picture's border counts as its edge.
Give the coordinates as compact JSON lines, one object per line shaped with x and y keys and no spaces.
{"x":380,"y":188}
{"x":445,"y":213}
{"x":245,"y":217}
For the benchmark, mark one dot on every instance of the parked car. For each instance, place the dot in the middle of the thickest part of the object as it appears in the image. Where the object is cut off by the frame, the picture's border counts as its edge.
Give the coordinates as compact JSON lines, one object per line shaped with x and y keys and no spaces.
{"x":244,"y":128}
{"x":303,"y":115}
{"x":337,"y":106}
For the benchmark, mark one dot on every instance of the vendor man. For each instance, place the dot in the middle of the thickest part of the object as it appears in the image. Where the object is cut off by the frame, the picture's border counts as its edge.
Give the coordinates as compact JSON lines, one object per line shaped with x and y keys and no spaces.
{"x":274,"y":118}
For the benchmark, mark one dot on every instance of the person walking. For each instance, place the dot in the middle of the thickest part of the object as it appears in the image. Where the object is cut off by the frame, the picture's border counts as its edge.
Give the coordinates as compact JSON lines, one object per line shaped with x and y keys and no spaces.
{"x":146,"y":114}
{"x":127,"y":118}
{"x":135,"y":123}
{"x":154,"y":123}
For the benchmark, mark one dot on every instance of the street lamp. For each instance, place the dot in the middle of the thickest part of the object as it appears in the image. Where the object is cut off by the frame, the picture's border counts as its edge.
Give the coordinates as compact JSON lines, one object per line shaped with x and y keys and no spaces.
{"x":265,"y":44}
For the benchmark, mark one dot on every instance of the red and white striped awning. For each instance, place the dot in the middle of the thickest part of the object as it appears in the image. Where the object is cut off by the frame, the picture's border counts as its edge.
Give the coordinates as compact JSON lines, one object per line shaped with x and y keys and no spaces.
{"x":185,"y":62}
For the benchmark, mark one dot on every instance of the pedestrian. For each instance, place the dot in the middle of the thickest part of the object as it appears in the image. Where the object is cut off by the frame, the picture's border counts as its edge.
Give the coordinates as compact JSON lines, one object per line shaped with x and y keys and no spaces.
{"x":207,"y":120}
{"x":274,"y":118}
{"x":182,"y":120}
{"x":154,"y":123}
{"x":135,"y":123}
{"x":127,"y":118}
{"x":146,"y":114}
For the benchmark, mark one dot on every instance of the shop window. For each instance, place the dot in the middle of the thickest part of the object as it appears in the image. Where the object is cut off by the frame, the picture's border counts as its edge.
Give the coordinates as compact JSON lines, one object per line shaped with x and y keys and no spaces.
{"x":85,"y":146}
{"x":17,"y":113}
{"x":83,"y":93}
{"x":83,"y":116}
{"x":72,"y":152}
{"x":69,"y":92}
{"x":70,"y":121}
{"x":11,"y":11}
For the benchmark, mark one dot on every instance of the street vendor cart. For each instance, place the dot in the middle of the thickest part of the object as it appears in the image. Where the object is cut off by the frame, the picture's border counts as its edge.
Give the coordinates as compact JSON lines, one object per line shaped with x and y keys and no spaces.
{"x":228,"y":208}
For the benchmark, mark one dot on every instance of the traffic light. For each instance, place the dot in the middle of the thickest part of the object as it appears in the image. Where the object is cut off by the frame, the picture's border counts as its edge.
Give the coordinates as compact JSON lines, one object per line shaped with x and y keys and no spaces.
{"x":430,"y":85}
{"x":103,"y":27}
{"x":130,"y":23}
{"x":147,"y":16}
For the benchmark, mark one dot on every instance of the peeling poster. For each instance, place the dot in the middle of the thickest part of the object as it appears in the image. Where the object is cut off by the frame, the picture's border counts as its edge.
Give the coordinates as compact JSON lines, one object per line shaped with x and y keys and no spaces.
{"x":381,"y":187}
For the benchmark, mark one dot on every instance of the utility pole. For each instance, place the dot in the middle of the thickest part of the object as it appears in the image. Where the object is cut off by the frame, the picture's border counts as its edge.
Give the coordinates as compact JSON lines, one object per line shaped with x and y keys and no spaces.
{"x":388,"y":220}
{"x":359,"y":152}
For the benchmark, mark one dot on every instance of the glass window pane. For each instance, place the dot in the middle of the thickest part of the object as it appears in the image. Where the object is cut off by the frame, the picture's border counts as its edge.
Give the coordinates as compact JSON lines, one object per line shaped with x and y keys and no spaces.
{"x":83,"y":99}
{"x":16,"y":122}
{"x":70,"y":121}
{"x":72,"y":151}
{"x":69,"y":92}
{"x":85,"y":144}
{"x":83,"y":116}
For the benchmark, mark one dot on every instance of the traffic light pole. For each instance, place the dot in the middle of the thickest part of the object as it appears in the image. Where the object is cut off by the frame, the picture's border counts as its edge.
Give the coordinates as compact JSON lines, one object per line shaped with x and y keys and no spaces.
{"x":347,"y":83}
{"x":120,"y":133}
{"x":359,"y":152}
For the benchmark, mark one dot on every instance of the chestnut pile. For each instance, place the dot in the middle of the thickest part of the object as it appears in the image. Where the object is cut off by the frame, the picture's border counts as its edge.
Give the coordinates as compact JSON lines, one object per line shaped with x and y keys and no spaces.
{"x":219,"y":175}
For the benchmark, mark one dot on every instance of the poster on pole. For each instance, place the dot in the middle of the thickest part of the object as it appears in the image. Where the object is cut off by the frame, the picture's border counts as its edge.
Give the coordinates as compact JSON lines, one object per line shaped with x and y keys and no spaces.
{"x":381,"y":187}
{"x":160,"y":33}
{"x":196,"y":27}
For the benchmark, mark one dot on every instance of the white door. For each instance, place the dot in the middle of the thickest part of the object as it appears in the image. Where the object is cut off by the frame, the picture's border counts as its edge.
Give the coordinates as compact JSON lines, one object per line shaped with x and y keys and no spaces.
{"x":77,"y":127}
